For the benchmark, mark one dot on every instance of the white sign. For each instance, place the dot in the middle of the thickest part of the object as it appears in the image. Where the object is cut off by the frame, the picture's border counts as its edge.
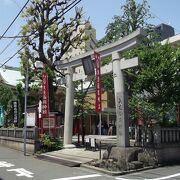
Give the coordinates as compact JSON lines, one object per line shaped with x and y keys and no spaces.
{"x":31,"y":118}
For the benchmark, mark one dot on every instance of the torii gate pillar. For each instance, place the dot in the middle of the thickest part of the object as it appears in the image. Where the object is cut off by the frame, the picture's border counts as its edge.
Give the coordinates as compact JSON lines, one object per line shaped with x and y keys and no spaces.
{"x":68,"y":121}
{"x":122,"y":124}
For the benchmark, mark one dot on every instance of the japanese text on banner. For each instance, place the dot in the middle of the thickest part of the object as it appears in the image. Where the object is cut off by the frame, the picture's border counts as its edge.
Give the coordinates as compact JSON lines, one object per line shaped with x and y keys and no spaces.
{"x":98,"y":105}
{"x":45,"y":95}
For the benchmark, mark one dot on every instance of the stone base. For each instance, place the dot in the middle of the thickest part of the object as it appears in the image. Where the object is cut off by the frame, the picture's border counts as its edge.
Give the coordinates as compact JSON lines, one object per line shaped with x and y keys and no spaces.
{"x":162,"y":155}
{"x":122,"y":153}
{"x":69,"y":146}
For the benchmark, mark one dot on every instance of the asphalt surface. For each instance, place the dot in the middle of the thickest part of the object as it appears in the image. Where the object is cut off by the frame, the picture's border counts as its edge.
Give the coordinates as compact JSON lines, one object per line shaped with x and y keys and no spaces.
{"x":163,"y":173}
{"x":15,"y":166}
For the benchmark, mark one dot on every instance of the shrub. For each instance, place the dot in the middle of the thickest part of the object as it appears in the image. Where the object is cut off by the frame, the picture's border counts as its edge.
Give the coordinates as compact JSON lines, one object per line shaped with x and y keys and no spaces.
{"x":48,"y":143}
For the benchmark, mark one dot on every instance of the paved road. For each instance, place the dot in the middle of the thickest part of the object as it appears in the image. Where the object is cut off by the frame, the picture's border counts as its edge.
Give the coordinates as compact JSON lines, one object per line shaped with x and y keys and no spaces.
{"x":164,"y":173}
{"x":14,"y":166}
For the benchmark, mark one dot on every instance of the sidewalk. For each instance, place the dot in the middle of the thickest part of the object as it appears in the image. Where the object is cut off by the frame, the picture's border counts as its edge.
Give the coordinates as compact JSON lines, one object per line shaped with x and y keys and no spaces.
{"x":77,"y":156}
{"x":71,"y":157}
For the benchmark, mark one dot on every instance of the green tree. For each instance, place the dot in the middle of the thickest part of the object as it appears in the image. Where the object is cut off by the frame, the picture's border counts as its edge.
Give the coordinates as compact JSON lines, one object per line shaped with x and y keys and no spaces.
{"x":135,"y":15}
{"x":83,"y":105}
{"x":157,"y":80}
{"x":107,"y":80}
{"x":49,"y":35}
{"x":19,"y":93}
{"x":6,"y":97}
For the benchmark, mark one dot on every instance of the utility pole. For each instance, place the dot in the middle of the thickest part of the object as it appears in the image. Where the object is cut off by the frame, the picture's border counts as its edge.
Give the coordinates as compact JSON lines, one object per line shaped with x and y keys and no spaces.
{"x":82,"y":113}
{"x":25,"y":108}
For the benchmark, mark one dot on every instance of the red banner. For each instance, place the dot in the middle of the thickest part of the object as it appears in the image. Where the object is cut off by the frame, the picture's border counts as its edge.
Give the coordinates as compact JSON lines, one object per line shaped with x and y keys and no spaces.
{"x":98,"y":83}
{"x":45,"y":95}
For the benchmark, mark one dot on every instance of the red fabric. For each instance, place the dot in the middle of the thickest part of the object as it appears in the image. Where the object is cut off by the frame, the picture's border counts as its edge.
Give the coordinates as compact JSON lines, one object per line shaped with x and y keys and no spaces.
{"x":45,"y":95}
{"x":98,"y":105}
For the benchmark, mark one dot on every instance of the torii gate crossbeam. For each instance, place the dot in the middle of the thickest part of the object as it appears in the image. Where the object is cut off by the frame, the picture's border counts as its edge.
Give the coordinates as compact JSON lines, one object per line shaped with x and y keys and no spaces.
{"x":115,"y":49}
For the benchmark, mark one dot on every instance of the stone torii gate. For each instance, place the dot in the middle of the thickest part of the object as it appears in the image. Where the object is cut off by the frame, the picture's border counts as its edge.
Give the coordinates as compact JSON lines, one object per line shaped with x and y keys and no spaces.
{"x":116,"y":66}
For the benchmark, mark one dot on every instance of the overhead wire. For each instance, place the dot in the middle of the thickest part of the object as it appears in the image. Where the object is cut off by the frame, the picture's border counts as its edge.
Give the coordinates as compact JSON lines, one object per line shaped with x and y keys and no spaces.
{"x":13,"y":37}
{"x":3,"y":36}
{"x":17,"y":36}
{"x":73,"y":5}
{"x":14,"y":19}
{"x":9,"y":44}
{"x":16,"y":4}
{"x":16,"y":53}
{"x":6,"y":47}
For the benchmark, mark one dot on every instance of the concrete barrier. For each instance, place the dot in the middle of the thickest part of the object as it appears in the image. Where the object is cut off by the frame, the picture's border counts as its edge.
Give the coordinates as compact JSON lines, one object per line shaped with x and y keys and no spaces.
{"x":13,"y":138}
{"x":18,"y":144}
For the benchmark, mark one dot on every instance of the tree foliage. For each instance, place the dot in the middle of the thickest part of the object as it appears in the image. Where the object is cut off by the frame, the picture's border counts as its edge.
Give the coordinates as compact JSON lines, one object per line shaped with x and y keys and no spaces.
{"x":83,"y":104}
{"x":135,"y":15}
{"x":154,"y":86}
{"x":157,"y":80}
{"x":49,"y":35}
{"x":6,"y":97}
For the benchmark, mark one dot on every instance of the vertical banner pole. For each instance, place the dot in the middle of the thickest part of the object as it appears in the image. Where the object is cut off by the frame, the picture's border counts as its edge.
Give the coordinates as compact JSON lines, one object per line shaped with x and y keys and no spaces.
{"x":98,"y":105}
{"x":100,"y":135}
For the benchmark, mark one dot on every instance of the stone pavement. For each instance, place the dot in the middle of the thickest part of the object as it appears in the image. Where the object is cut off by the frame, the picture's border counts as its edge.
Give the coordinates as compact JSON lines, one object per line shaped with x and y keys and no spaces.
{"x":77,"y":156}
{"x":71,"y":157}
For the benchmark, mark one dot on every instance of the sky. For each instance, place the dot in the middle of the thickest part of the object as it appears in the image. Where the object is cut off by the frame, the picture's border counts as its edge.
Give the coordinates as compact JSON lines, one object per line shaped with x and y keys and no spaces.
{"x":100,"y":13}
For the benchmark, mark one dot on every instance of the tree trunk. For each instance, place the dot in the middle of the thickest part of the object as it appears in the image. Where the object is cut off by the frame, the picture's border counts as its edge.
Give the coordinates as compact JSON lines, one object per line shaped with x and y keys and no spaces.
{"x":52,"y":91}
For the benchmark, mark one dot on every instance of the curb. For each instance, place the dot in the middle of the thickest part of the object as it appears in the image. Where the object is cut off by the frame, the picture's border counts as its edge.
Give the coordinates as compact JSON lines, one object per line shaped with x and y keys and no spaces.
{"x":69,"y":163}
{"x":58,"y":160}
{"x":115,"y":173}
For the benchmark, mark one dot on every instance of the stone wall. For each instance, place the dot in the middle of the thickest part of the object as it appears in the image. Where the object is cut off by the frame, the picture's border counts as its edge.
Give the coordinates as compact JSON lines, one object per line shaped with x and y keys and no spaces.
{"x":168,"y":154}
{"x":18,"y":144}
{"x":14,"y":138}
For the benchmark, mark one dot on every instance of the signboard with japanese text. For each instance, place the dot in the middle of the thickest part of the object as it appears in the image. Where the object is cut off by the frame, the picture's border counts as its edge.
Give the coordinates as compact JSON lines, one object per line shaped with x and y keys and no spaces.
{"x":31,"y":117}
{"x":15,"y":112}
{"x":1,"y":116}
{"x":88,"y":66}
{"x":49,"y":122}
{"x":45,"y":95}
{"x":98,"y":105}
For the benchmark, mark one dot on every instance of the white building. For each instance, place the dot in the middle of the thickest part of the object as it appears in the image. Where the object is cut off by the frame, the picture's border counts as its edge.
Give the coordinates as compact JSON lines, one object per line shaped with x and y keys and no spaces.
{"x":10,"y":76}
